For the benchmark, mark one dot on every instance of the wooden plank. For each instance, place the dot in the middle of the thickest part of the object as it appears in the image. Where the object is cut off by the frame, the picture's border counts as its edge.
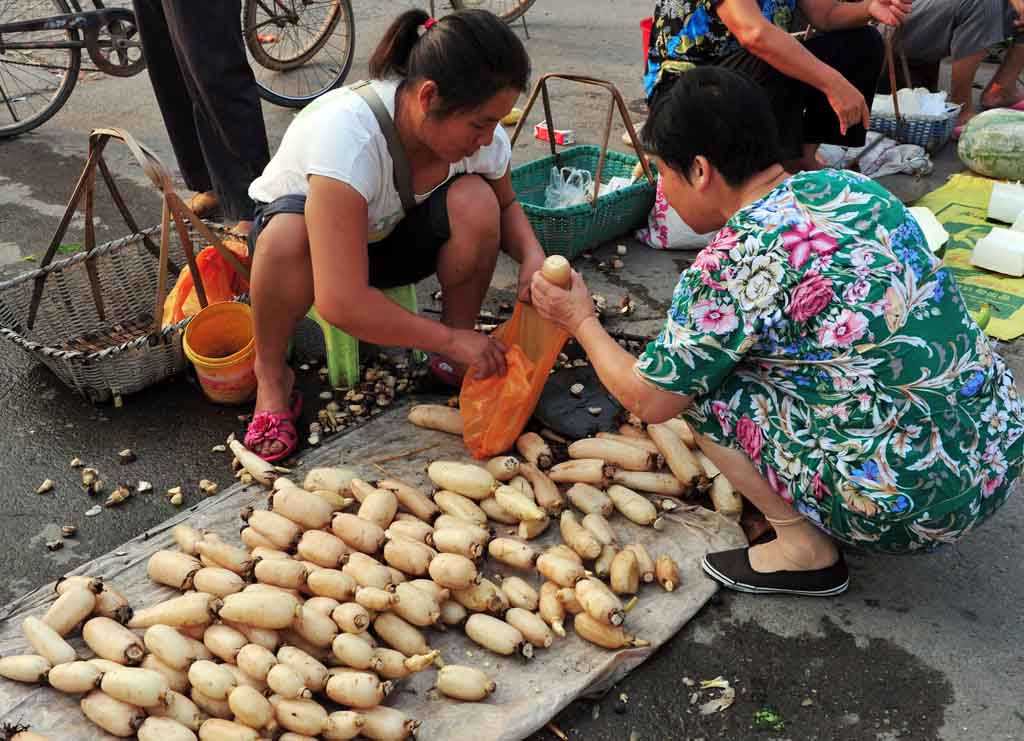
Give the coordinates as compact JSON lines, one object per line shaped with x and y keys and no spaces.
{"x":529,"y":694}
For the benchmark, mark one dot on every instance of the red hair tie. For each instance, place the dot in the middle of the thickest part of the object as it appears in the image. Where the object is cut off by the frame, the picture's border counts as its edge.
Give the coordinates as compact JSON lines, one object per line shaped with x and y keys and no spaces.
{"x":429,"y":23}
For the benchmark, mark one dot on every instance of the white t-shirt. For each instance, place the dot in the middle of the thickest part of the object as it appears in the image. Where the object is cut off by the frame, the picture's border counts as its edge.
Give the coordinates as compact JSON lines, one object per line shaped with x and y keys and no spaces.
{"x":337,"y":136}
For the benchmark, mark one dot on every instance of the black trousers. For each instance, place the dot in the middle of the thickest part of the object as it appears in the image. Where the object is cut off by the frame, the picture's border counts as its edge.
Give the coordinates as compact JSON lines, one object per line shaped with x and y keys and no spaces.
{"x":803,"y":113}
{"x":207,"y":96}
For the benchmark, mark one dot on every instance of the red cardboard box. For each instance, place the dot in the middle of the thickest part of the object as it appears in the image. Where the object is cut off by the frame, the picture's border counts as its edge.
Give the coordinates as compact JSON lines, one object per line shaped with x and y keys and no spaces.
{"x":562,"y":136}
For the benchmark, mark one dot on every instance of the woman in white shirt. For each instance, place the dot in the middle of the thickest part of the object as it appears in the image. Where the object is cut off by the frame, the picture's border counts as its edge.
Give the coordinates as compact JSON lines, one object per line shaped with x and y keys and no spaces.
{"x":331,"y":230}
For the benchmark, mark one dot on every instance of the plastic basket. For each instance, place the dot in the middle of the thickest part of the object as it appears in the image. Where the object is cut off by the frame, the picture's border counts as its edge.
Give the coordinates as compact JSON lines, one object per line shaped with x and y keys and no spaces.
{"x":930,"y":132}
{"x":572,"y":230}
{"x":575,"y":229}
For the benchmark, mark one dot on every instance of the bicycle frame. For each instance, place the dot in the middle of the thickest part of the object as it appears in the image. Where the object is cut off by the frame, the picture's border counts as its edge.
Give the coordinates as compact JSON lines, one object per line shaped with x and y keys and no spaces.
{"x":89,"y":23}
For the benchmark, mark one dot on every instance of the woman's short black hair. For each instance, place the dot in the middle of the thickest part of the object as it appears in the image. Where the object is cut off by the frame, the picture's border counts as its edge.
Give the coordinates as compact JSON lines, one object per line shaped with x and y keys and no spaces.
{"x":717,"y":113}
{"x":471,"y":55}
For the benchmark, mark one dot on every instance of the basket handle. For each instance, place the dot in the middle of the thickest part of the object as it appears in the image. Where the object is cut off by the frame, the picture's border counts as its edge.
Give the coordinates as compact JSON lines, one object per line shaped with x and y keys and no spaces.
{"x":159,"y":176}
{"x":890,"y":63}
{"x":86,"y":183}
{"x":175,"y":210}
{"x":541,"y":89}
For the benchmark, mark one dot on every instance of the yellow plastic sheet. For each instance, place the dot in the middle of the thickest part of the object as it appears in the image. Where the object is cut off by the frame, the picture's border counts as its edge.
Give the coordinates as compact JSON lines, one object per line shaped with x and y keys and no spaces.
{"x":961,"y":206}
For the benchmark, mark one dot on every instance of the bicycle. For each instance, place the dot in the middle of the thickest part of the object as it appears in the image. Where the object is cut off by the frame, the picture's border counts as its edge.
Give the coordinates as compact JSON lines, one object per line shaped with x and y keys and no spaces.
{"x":292,"y":43}
{"x":507,"y":10}
{"x":41,"y":55}
{"x":41,"y":41}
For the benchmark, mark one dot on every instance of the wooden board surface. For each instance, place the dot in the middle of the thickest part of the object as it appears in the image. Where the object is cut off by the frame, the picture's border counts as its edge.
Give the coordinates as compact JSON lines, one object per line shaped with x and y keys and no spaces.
{"x":529,"y":694}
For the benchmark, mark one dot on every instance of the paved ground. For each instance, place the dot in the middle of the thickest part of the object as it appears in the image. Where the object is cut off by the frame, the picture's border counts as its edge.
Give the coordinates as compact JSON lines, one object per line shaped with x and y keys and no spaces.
{"x":918,"y":648}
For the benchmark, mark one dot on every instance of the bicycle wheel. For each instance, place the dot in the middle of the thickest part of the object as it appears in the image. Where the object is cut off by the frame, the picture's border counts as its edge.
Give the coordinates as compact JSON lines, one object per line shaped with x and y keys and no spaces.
{"x":34,"y":82}
{"x":507,"y":10}
{"x":120,"y":48}
{"x":300,"y":48}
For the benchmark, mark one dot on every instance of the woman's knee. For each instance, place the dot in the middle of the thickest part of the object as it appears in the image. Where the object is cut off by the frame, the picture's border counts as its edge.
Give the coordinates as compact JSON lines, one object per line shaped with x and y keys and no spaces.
{"x":473,"y":211}
{"x":283,"y":238}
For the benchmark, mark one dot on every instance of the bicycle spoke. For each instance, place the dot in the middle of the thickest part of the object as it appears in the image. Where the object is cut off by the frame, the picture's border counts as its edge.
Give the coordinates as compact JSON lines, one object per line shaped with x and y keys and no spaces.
{"x":4,"y":60}
{"x":35,"y":79}
{"x":7,"y":101}
{"x":44,"y":81}
{"x":304,"y":49}
{"x":267,"y":10}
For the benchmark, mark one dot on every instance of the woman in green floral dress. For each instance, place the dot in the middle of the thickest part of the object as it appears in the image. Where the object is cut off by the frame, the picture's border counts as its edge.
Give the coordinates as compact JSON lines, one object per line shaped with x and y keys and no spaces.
{"x":820,"y":350}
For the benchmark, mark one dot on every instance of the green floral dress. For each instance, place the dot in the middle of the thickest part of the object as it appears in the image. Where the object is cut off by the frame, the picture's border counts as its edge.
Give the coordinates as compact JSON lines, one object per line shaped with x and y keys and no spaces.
{"x":819,"y":334}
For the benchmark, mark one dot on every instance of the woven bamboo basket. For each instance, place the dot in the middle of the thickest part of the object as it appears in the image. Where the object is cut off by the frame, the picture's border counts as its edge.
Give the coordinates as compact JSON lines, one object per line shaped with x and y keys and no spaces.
{"x":113,"y":344}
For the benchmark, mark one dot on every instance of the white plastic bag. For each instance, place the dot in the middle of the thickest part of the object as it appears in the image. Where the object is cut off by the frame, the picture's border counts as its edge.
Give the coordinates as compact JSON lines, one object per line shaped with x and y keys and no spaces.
{"x":569,"y":186}
{"x":666,"y":230}
{"x":918,"y":101}
{"x":617,"y":182}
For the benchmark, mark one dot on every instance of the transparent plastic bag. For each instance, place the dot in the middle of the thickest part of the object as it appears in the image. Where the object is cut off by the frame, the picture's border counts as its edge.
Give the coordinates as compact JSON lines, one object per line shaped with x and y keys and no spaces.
{"x":569,"y":186}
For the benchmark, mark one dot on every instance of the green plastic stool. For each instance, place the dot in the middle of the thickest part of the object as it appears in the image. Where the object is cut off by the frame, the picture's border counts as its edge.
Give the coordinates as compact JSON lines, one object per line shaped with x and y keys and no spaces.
{"x":343,"y":348}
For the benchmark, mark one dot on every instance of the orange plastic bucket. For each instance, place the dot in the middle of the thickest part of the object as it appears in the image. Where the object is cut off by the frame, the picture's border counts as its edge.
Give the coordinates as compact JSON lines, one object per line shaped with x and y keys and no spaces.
{"x":219,"y":342}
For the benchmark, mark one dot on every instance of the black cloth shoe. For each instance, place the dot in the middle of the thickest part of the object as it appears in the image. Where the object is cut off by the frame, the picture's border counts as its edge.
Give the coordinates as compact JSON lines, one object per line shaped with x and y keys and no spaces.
{"x":732,"y":569}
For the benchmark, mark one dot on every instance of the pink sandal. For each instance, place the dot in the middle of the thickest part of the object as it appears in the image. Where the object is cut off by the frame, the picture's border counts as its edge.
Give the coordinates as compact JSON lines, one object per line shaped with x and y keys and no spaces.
{"x":278,"y":427}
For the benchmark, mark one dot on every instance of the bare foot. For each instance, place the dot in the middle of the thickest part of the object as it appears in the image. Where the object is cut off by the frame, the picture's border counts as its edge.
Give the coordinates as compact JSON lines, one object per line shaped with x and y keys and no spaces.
{"x":273,"y":394}
{"x":803,"y":551}
{"x":997,"y":96}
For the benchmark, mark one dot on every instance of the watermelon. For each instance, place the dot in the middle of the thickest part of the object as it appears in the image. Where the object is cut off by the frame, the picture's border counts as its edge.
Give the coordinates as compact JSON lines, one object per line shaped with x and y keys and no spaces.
{"x":992,"y":144}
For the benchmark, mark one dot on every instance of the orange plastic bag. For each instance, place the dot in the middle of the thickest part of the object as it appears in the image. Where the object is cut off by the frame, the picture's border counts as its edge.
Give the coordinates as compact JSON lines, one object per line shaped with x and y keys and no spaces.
{"x":219,"y":280}
{"x":495,"y":410}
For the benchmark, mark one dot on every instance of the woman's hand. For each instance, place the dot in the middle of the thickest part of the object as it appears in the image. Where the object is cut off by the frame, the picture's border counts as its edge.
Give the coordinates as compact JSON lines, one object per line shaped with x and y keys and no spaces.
{"x":566,"y":308}
{"x":530,"y":265}
{"x":889,"y":12}
{"x":469,"y":348}
{"x":848,"y":103}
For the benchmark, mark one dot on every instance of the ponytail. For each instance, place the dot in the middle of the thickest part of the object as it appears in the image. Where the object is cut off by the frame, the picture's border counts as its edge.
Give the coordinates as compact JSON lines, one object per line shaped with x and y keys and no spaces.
{"x":391,"y":57}
{"x":470,"y":55}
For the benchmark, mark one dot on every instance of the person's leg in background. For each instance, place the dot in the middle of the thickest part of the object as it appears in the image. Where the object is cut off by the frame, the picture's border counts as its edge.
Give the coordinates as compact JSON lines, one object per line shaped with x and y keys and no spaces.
{"x":961,"y":86}
{"x":225,"y":102}
{"x":172,"y":94}
{"x":1004,"y":90}
{"x":858,"y":55}
{"x":980,"y":25}
{"x":964,"y":30}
